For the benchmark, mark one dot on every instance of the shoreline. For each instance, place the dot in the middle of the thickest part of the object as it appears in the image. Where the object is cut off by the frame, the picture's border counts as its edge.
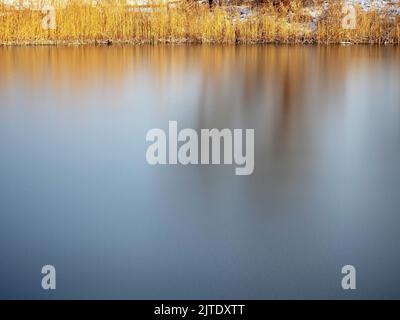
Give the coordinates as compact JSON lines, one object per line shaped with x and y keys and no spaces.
{"x":183,"y":43}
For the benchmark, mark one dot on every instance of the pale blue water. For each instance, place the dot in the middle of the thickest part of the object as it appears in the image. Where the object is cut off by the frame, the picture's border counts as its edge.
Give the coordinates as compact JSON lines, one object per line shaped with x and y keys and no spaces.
{"x":76,"y":190}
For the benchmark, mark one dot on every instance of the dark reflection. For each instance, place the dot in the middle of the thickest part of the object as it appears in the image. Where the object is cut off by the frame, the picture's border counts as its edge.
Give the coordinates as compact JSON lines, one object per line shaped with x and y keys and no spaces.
{"x":76,"y":191}
{"x":255,"y":77}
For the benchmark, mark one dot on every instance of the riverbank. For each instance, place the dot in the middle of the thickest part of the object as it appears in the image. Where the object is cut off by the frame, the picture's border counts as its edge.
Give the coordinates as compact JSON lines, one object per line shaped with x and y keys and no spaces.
{"x":78,"y":23}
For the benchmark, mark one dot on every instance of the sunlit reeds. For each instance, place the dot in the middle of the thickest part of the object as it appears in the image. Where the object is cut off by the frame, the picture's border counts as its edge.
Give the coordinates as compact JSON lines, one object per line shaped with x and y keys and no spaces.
{"x":79,"y":22}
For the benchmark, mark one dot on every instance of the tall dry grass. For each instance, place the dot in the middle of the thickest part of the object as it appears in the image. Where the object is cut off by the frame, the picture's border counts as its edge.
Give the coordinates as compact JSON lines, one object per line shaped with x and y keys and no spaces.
{"x":79,"y":22}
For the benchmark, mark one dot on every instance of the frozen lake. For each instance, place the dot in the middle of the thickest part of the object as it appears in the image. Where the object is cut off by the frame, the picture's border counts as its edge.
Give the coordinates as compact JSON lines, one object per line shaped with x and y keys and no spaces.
{"x":76,"y":191}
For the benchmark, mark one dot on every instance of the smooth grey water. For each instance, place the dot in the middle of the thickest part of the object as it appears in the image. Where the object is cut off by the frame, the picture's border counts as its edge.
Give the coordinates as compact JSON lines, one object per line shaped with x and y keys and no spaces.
{"x":76,"y":190}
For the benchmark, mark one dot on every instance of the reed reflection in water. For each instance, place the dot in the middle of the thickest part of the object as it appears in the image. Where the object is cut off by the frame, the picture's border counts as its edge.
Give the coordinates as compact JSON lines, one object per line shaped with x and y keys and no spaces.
{"x":77,"y":192}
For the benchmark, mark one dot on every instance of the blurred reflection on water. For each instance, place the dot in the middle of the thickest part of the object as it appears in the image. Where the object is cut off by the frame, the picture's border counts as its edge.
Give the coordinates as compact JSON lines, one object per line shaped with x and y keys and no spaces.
{"x":76,"y":191}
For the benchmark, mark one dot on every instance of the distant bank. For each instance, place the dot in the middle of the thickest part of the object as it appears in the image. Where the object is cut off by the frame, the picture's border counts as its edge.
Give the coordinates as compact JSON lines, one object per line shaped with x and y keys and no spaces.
{"x":187,"y":21}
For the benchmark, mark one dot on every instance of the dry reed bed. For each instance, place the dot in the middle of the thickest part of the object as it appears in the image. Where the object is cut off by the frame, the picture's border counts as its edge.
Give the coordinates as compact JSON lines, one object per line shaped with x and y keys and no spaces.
{"x":189,"y":22}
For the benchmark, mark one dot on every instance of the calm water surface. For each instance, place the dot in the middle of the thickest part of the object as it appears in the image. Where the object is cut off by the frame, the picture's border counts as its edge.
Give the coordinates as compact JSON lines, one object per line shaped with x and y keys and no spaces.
{"x":76,"y":190}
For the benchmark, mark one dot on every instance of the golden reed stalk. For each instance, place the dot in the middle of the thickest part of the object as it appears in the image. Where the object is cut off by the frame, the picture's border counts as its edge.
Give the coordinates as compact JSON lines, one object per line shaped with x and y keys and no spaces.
{"x":109,"y":22}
